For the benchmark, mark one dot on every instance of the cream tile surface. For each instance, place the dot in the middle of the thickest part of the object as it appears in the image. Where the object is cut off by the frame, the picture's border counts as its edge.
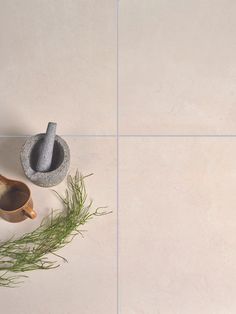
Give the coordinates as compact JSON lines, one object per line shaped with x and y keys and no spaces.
{"x":58,"y":62}
{"x":177,"y":226}
{"x":87,"y":284}
{"x":177,"y":67}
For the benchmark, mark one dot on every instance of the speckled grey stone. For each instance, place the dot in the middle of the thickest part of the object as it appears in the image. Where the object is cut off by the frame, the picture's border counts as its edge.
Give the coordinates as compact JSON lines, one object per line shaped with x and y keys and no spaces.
{"x":60,"y":161}
{"x":44,"y":162}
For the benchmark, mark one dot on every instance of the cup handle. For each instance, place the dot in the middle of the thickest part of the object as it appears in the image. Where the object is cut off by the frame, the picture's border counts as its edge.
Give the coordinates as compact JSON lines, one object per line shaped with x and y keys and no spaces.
{"x":3,"y":179}
{"x":29,"y":212}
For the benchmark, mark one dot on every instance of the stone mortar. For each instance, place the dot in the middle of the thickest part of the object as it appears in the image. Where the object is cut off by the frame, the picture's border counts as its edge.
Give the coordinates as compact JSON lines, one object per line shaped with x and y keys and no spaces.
{"x":60,"y":161}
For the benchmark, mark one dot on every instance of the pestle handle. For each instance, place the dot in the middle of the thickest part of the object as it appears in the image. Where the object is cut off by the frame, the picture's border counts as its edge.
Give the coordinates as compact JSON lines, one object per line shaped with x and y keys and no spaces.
{"x":46,"y":149}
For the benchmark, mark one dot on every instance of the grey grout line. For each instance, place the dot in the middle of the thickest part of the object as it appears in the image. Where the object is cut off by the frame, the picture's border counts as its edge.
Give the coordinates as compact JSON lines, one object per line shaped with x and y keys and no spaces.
{"x":175,"y":135}
{"x":90,"y":135}
{"x":68,"y":135}
{"x":130,"y":135}
{"x":9,"y":136}
{"x":117,"y":160}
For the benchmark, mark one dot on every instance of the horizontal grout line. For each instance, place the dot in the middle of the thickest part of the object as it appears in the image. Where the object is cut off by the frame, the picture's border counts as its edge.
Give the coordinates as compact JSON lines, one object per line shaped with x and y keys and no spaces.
{"x":89,"y":135}
{"x":174,"y":135}
{"x":9,"y":136}
{"x":67,"y":135}
{"x":131,"y":135}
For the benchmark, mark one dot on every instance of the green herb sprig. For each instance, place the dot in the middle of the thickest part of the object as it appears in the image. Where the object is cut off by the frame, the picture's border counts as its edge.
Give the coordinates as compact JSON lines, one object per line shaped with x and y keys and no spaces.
{"x":32,"y":251}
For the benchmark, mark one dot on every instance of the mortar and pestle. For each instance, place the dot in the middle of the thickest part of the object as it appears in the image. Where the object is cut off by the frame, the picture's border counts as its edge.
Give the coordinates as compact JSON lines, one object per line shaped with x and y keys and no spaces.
{"x":45,"y":158}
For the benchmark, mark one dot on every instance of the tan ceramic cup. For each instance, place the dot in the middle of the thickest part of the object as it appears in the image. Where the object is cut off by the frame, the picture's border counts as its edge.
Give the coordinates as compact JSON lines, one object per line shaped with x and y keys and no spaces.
{"x":15,"y":200}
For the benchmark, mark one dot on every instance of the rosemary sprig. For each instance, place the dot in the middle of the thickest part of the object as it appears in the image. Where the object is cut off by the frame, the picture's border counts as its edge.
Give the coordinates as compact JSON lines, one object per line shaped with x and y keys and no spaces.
{"x":32,"y":251}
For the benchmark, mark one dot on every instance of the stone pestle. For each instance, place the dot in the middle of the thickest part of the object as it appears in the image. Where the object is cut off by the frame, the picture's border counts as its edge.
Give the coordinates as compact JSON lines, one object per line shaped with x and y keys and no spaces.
{"x":46,"y":149}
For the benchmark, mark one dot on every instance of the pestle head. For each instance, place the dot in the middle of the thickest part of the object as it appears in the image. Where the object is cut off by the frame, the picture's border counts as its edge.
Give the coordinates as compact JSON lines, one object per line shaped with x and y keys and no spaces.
{"x":46,"y":149}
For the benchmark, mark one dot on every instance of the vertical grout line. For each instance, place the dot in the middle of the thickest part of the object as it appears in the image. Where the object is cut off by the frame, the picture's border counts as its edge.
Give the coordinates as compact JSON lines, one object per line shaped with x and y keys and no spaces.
{"x":117,"y":151}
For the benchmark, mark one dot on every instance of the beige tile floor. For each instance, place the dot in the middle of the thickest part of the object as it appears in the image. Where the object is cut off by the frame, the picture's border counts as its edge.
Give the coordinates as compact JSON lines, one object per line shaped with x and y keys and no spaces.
{"x":177,"y":239}
{"x":177,"y":225}
{"x":177,"y":67}
{"x":61,"y":53}
{"x":87,"y":284}
{"x":166,"y":170}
